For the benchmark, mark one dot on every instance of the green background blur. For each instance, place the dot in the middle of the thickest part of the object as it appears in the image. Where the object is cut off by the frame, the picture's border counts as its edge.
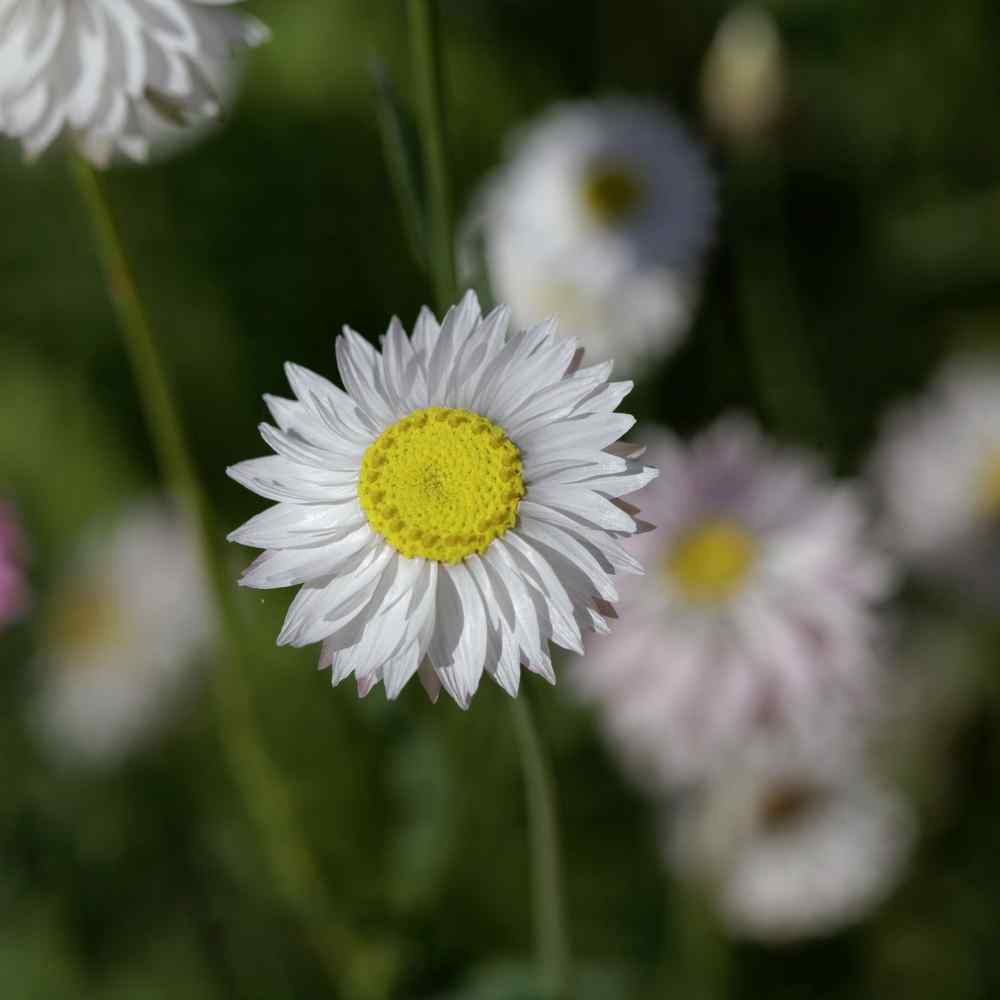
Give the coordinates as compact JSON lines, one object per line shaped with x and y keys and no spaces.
{"x":863,"y":245}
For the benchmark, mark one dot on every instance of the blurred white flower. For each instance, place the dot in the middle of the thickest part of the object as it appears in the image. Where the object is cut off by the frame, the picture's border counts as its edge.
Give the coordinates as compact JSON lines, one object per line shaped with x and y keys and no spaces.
{"x":124,"y":630}
{"x":611,"y":199}
{"x":13,"y":589}
{"x":636,"y":316}
{"x":112,"y":73}
{"x":453,"y":511}
{"x":742,"y":82}
{"x":790,"y":844}
{"x":937,"y":466}
{"x":761,"y":612}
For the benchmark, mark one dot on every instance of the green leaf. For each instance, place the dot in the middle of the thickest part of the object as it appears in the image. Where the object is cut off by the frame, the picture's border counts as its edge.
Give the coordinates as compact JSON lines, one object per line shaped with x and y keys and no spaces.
{"x":401,"y":146}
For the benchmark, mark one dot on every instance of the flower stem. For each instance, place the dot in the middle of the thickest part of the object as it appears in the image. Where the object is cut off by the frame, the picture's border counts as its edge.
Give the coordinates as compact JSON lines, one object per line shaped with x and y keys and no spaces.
{"x":427,"y":63}
{"x":550,"y":919}
{"x":264,"y":792}
{"x":550,"y":924}
{"x":705,"y":951}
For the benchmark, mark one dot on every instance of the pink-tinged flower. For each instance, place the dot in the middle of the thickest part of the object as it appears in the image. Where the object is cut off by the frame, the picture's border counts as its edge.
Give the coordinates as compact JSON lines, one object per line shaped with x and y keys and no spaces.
{"x":760,"y":606}
{"x":937,"y":467}
{"x":13,"y":589}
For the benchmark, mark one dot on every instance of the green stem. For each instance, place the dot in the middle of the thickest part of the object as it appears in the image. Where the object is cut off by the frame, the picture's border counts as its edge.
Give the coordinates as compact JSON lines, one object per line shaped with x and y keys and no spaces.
{"x":266,"y":796}
{"x":425,"y":39}
{"x":697,"y":955}
{"x":550,"y":924}
{"x":706,"y":950}
{"x":550,"y":919}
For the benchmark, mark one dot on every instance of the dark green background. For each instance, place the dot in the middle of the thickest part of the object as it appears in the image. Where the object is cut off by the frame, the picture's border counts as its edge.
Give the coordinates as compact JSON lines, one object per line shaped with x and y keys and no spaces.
{"x":862,"y":247}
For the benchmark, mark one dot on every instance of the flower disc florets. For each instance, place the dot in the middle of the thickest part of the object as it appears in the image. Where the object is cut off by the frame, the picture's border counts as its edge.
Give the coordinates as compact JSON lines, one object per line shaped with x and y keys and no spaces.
{"x":441,"y":484}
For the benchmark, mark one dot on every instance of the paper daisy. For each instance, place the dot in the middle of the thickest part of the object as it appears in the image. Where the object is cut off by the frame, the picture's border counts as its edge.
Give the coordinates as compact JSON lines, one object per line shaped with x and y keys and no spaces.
{"x":790,"y":846}
{"x":123,"y":631}
{"x":452,"y":511}
{"x":762,"y":610}
{"x":597,"y":193}
{"x":13,"y":590}
{"x":108,"y":72}
{"x":937,"y":467}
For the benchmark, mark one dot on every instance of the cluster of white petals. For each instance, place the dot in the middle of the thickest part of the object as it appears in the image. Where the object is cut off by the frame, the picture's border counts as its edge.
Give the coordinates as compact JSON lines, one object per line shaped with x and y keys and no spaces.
{"x":383,"y":615}
{"x":124,"y":630}
{"x":937,"y":466}
{"x":763,"y":610}
{"x":603,"y":212}
{"x":111,"y":73}
{"x":791,"y":844}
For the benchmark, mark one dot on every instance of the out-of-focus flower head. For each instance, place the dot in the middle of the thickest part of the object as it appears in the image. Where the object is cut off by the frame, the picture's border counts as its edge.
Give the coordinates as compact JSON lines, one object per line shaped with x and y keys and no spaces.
{"x":789,"y":843}
{"x":453,"y":511}
{"x":937,"y":466}
{"x":124,"y":631}
{"x":13,"y":589}
{"x":761,"y":610}
{"x":743,"y":79}
{"x":115,"y":74}
{"x":609,"y":204}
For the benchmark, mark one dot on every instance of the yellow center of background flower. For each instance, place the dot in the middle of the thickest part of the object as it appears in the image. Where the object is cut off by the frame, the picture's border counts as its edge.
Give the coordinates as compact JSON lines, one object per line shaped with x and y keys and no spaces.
{"x":441,"y":484}
{"x":611,"y":194}
{"x":711,"y":561}
{"x":988,"y":501}
{"x":84,"y":622}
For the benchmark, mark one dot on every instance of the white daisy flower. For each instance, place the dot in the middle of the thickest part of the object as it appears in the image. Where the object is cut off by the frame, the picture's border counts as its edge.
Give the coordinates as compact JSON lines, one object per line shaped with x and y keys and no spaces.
{"x":636,"y":316}
{"x":937,"y":466}
{"x":792,"y":846}
{"x":595,"y":194}
{"x":109,"y":72}
{"x":453,"y":511}
{"x":123,"y":633}
{"x":763,"y":608}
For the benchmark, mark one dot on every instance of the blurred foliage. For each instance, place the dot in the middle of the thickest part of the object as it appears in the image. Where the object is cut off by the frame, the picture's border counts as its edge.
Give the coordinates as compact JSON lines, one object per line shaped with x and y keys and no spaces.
{"x":869,"y":233}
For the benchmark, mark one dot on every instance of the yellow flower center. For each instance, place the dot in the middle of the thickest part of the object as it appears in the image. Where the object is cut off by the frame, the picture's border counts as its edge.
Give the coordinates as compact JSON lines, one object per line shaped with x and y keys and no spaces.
{"x":988,"y":499}
{"x":611,"y":194}
{"x":441,"y":483}
{"x":84,"y":622}
{"x":711,"y":561}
